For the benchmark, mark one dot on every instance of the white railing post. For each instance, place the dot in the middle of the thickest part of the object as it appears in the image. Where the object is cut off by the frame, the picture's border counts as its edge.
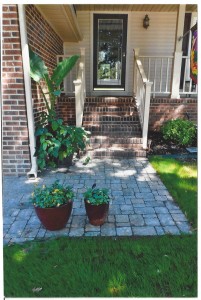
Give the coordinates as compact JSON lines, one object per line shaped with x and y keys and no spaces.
{"x":176,"y":75}
{"x":146,"y":113}
{"x":78,"y":102}
{"x":136,"y":55}
{"x":80,"y":90}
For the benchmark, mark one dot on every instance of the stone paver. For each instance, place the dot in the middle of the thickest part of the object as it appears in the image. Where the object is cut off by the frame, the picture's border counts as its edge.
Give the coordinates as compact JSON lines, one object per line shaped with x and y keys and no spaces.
{"x":140,"y":203}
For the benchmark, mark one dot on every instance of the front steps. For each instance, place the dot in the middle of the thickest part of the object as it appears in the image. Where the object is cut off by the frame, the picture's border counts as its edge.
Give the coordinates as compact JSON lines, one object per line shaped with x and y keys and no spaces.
{"x":115,"y":127}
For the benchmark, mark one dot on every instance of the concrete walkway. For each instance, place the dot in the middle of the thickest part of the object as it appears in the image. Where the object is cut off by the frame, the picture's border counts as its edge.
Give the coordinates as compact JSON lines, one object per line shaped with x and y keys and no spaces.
{"x":140,"y":206}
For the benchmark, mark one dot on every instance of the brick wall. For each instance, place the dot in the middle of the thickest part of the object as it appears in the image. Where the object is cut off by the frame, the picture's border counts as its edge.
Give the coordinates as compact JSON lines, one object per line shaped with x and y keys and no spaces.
{"x":165,"y":109}
{"x":46,"y":43}
{"x":66,"y":109}
{"x":43,"y":40}
{"x":16,"y":158}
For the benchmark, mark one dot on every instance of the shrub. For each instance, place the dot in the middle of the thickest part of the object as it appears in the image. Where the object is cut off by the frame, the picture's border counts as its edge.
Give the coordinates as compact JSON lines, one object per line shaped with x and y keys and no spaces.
{"x":56,"y":141}
{"x":181,"y":132}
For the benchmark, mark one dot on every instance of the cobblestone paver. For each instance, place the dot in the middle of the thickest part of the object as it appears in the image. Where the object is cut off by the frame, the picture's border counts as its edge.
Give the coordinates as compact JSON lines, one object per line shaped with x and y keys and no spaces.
{"x":140,"y":205}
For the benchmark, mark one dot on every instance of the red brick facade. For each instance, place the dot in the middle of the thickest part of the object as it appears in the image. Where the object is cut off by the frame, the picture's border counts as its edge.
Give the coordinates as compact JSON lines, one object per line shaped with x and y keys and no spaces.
{"x":16,"y":158}
{"x":46,"y":43}
{"x":43,"y":40}
{"x":66,"y":110}
{"x":165,"y":109}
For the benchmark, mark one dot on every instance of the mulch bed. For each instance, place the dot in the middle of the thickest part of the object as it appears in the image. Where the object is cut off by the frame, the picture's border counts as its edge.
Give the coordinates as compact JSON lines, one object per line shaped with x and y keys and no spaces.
{"x":159,"y":146}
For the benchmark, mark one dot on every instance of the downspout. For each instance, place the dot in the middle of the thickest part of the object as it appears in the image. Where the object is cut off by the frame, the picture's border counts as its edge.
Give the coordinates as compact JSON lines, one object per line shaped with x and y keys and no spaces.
{"x":28,"y":94}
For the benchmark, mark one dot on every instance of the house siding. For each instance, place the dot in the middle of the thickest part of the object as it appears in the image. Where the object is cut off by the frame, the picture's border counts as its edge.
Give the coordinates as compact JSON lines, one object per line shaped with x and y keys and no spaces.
{"x":43,"y":40}
{"x":158,"y":39}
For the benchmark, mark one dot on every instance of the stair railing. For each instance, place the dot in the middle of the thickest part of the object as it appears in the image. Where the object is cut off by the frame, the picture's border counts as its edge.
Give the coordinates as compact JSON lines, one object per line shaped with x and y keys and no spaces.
{"x":142,"y":93}
{"x":80,"y":90}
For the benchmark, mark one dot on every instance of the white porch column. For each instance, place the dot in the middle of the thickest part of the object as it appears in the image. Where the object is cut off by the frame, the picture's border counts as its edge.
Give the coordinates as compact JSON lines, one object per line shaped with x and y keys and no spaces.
{"x":178,"y":52}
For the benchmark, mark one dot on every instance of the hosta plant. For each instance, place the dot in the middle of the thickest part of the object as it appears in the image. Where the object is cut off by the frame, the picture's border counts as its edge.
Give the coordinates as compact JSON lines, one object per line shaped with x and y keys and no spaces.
{"x":54,"y":195}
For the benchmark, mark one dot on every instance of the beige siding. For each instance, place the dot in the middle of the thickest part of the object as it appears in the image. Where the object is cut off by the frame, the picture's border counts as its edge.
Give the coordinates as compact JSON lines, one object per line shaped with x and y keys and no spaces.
{"x":158,"y":39}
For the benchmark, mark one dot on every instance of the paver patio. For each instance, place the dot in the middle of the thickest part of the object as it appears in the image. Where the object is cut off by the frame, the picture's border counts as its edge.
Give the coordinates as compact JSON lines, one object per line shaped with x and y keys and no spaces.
{"x":140,"y":206}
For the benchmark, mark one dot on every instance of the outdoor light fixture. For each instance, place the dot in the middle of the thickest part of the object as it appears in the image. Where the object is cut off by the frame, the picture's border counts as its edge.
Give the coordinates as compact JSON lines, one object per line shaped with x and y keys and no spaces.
{"x":146,"y":22}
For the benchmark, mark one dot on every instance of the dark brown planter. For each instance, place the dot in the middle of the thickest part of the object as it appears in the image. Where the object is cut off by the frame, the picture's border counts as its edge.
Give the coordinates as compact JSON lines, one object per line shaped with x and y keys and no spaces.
{"x":96,"y":213}
{"x":54,"y":218}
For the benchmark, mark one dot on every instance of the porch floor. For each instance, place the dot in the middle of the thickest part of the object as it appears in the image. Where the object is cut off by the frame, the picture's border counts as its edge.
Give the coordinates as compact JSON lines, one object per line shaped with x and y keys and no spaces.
{"x":140,"y":206}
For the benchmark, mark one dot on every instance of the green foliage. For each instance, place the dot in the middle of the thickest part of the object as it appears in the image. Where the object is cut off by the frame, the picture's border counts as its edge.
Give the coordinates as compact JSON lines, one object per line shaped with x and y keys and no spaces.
{"x":56,"y":141}
{"x":39,"y":71}
{"x":182,"y":132}
{"x":96,"y":196}
{"x":52,"y":196}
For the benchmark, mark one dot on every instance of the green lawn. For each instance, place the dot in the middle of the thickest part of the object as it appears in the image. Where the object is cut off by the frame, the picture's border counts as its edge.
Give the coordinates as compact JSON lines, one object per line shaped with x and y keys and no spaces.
{"x":164,"y":266}
{"x":102,"y":267}
{"x":181,"y":180}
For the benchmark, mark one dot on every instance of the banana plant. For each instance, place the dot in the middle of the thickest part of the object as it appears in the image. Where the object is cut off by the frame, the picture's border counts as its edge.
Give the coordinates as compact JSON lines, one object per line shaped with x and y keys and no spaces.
{"x":39,"y":73}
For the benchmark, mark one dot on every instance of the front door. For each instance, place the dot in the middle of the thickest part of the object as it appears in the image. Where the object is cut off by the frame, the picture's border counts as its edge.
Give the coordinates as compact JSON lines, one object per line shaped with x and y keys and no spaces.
{"x":110,"y":37}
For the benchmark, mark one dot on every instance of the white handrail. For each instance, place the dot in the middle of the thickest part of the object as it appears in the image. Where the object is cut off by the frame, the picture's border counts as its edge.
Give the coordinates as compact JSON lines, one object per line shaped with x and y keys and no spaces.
{"x":142,"y":90}
{"x":80,"y":90}
{"x":159,"y":69}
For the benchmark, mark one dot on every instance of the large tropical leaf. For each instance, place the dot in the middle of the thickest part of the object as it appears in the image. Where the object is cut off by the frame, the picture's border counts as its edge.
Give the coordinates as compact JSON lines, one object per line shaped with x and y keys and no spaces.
{"x":38,"y":69}
{"x":63,"y":68}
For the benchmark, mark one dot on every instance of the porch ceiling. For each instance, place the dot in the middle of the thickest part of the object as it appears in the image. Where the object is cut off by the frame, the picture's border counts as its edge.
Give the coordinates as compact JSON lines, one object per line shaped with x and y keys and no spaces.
{"x":135,"y":7}
{"x":63,"y":20}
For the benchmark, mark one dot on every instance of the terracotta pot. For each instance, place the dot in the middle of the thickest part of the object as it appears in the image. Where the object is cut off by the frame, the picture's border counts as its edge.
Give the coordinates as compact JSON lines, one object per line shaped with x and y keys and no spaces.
{"x":96,"y":213}
{"x":54,"y":218}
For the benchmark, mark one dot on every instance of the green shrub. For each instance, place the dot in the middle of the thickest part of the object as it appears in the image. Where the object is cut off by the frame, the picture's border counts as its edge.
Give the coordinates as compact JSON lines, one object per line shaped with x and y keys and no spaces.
{"x":181,"y":132}
{"x":56,"y":141}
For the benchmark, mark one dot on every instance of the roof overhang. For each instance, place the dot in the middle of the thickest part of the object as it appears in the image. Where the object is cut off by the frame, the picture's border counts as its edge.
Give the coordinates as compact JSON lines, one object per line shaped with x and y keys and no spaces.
{"x":63,"y":20}
{"x":134,"y":7}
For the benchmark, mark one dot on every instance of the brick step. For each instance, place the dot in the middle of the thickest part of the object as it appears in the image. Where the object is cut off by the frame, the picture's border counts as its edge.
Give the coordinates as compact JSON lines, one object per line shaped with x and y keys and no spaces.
{"x":110,"y":118}
{"x":112,"y":109}
{"x":109,"y":100}
{"x":113,"y":152}
{"x":125,"y":146}
{"x":112,"y":139}
{"x":111,"y":128}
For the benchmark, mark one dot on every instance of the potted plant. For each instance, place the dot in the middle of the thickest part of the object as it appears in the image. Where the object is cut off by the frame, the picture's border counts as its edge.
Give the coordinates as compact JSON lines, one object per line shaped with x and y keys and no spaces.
{"x":96,"y":204}
{"x":53,"y":205}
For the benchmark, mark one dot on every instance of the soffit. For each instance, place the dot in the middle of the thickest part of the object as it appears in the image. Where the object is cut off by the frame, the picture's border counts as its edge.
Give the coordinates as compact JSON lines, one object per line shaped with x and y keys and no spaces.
{"x":63,"y":20}
{"x":134,"y":7}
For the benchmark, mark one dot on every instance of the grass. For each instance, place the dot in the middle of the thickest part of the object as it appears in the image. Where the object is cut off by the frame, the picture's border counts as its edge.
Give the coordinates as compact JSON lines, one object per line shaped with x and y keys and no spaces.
{"x":181,"y":181}
{"x":102,"y":267}
{"x":163,"y":266}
